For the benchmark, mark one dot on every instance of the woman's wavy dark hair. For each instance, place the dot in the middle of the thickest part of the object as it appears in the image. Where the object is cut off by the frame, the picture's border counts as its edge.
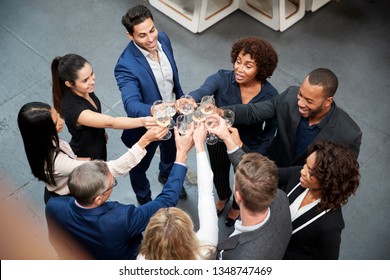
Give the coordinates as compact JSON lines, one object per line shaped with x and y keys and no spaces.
{"x":40,"y":139}
{"x":260,"y":51}
{"x":337,"y":171}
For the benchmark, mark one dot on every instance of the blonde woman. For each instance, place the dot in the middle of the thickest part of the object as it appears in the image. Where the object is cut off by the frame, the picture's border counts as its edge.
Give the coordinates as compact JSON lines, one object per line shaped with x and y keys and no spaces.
{"x":170,"y":233}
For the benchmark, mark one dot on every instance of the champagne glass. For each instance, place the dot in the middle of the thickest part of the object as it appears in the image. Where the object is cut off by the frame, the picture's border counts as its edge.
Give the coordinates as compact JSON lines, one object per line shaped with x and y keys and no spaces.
{"x":208,"y":99}
{"x":171,"y":106}
{"x":212,"y":122}
{"x":186,"y":104}
{"x":198,"y":116}
{"x":163,"y":118}
{"x":228,"y":116}
{"x":183,"y":124}
{"x":207,"y":107}
{"x":155,"y":105}
{"x":172,"y":110}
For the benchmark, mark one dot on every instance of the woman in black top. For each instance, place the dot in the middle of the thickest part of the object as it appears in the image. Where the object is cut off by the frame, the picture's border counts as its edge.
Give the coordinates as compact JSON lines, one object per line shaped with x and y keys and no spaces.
{"x":75,"y":100}
{"x":316,"y":193}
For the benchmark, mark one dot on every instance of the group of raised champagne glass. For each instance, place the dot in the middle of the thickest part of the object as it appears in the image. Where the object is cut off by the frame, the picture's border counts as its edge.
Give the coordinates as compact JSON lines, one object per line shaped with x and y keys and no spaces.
{"x":190,"y":111}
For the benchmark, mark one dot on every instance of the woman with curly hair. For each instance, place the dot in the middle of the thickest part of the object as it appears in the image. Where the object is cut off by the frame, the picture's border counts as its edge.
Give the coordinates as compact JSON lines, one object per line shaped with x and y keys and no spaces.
{"x":254,"y":61}
{"x":329,"y":177}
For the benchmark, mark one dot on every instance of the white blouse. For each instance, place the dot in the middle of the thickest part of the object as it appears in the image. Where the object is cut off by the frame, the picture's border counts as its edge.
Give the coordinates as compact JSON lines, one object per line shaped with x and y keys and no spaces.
{"x":294,"y":207}
{"x":66,"y":161}
{"x":208,"y":219}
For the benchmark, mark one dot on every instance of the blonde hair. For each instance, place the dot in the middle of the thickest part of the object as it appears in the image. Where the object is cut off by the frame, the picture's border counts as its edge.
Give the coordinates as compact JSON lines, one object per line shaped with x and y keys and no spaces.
{"x":170,"y":236}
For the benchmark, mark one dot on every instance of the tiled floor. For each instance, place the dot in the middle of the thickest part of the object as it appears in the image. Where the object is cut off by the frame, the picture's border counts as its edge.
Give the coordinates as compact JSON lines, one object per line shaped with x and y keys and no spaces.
{"x":348,"y":36}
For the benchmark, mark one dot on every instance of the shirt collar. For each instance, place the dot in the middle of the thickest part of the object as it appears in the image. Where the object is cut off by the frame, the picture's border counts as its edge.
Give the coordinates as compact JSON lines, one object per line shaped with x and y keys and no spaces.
{"x":323,"y":122}
{"x":233,"y":78}
{"x":146,"y":53}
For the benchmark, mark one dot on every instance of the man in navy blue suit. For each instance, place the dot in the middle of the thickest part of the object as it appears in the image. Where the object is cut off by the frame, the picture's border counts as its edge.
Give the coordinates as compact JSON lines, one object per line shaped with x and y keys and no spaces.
{"x":145,"y":72}
{"x":108,"y":229}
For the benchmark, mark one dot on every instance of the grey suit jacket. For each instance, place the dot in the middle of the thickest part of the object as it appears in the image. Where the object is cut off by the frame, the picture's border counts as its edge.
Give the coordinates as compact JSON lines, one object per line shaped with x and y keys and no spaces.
{"x":269,"y":242}
{"x":341,"y":128}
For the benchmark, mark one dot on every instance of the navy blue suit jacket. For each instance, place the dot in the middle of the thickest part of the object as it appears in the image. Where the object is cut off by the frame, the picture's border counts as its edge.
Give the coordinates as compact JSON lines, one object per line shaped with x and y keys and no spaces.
{"x":138,"y":85}
{"x":112,"y":230}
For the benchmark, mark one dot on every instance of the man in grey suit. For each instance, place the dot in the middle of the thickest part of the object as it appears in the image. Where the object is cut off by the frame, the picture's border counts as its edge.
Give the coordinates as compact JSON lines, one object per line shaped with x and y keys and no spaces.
{"x":304,"y":114}
{"x":264,"y":230}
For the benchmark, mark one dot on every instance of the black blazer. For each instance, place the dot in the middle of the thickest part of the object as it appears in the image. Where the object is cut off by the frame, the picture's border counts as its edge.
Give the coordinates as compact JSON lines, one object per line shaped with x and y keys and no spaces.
{"x":321,"y":238}
{"x":341,"y":128}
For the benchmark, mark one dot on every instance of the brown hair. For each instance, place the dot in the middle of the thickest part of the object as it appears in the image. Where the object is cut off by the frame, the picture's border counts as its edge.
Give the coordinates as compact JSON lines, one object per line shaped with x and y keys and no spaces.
{"x":337,"y":172}
{"x":256,"y":180}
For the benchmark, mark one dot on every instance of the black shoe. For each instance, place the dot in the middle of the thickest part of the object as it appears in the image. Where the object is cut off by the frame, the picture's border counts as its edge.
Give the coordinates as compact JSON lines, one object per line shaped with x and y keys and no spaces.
{"x":142,"y":201}
{"x":162,"y":179}
{"x":183,"y":193}
{"x":229,"y":222}
{"x":220,"y":211}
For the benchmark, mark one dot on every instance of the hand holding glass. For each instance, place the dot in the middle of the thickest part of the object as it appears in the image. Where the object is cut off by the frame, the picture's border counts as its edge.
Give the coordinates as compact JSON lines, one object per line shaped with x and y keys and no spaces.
{"x":186,"y":104}
{"x":212,"y":122}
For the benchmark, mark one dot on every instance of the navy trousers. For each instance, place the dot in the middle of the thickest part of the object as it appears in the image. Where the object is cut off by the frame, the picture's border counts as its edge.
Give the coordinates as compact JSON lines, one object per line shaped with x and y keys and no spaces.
{"x":138,"y":178}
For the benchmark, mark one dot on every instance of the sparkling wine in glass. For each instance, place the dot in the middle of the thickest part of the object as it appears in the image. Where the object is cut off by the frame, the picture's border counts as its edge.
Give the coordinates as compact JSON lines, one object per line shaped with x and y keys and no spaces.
{"x":186,"y":104}
{"x":163,"y":118}
{"x":171,"y":106}
{"x":198,"y":116}
{"x":207,"y":108}
{"x":155,"y":105}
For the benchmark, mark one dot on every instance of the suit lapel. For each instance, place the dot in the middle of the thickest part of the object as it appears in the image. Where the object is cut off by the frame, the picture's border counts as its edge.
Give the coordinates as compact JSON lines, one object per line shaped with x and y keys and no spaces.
{"x":328,"y":130}
{"x":229,"y":243}
{"x":295,"y":119}
{"x":305,"y":217}
{"x":142,"y":61}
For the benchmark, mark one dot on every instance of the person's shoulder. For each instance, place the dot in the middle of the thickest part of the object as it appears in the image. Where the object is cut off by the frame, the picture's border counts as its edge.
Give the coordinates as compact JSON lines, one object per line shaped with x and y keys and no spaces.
{"x":291,"y":91}
{"x":269,"y":89}
{"x":127,"y":53}
{"x":346,"y":119}
{"x":225,"y":72}
{"x":58,"y":202}
{"x":162,"y":35}
{"x":332,"y":220}
{"x":281,"y":197}
{"x":163,"y":38}
{"x":280,"y":203}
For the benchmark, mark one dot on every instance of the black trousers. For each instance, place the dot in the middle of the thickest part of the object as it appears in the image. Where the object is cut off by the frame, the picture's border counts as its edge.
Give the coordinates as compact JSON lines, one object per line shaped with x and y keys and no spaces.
{"x":220,"y":164}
